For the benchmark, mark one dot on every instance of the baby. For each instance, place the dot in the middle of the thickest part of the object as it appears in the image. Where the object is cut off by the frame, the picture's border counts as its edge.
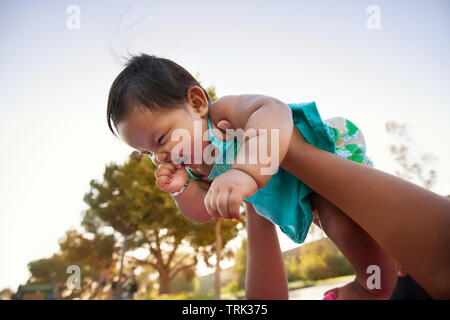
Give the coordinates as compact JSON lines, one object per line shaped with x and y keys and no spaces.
{"x":154,"y":101}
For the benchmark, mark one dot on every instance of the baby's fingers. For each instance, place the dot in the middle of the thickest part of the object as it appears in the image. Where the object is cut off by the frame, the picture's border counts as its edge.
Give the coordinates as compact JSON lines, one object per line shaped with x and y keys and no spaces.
{"x":163,"y":181}
{"x":165,"y":168}
{"x":161,"y":172}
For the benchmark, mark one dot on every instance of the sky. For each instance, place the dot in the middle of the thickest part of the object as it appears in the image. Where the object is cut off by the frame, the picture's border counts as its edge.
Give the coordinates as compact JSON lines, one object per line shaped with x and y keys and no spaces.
{"x":55,"y":79}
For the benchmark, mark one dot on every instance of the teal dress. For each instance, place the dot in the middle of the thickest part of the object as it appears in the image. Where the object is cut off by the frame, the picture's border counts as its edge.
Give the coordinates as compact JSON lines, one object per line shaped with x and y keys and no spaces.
{"x":284,"y":199}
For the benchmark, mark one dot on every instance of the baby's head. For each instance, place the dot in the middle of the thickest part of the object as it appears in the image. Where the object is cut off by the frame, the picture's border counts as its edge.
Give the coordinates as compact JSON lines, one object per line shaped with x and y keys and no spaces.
{"x":152,"y":97}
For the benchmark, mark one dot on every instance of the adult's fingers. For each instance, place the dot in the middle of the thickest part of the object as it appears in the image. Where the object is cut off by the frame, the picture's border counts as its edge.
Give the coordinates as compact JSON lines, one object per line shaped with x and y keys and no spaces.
{"x":234,"y":203}
{"x":207,"y":202}
{"x":222,"y":204}
{"x":213,"y":203}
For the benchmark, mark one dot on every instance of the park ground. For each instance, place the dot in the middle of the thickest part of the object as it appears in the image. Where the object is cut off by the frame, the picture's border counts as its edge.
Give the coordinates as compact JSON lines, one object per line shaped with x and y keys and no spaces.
{"x":299,"y":290}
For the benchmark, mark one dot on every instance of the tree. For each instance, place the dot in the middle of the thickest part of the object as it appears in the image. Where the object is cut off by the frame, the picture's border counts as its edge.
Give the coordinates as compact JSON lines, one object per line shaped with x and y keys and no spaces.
{"x":47,"y":270}
{"x":91,"y":253}
{"x":75,"y":249}
{"x":321,"y":259}
{"x":292,"y":263}
{"x":412,"y":165}
{"x":128,"y":201}
{"x":6,"y":294}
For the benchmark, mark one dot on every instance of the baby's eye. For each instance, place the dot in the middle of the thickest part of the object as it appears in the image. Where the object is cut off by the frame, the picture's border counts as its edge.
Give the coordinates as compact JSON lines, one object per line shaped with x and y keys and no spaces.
{"x":160,"y":139}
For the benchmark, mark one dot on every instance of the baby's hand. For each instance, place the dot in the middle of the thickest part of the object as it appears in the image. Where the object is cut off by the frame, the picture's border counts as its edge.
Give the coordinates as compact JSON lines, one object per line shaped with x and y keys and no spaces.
{"x":226,"y":193}
{"x":170,"y":177}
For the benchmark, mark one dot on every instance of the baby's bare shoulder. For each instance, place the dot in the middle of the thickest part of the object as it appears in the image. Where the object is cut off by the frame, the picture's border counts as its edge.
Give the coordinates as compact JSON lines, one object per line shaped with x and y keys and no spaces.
{"x":237,"y":108}
{"x":221,"y":107}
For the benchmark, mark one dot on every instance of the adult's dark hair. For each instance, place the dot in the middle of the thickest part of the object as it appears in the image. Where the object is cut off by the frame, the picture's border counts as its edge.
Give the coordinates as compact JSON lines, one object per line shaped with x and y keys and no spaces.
{"x":148,"y":82}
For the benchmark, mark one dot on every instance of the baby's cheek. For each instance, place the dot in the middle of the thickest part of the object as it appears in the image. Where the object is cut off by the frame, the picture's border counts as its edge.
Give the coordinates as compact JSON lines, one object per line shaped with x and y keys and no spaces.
{"x":178,"y":153}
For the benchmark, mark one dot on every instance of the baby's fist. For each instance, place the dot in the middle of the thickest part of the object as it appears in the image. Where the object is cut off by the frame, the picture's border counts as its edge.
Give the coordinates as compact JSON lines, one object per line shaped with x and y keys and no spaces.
{"x":226,"y":193}
{"x":170,"y":177}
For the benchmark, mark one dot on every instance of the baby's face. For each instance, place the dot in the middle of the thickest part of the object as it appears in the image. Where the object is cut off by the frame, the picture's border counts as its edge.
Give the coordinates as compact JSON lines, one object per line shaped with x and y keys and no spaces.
{"x":151,"y":132}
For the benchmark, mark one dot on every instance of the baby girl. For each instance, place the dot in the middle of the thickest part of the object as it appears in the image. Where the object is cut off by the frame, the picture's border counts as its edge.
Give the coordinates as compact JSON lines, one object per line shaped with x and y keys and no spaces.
{"x":154,"y":101}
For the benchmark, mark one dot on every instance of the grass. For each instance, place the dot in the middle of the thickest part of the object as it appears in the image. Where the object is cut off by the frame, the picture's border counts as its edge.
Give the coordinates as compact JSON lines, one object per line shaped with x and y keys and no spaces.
{"x":240,"y":295}
{"x":182,"y":296}
{"x":337,"y":279}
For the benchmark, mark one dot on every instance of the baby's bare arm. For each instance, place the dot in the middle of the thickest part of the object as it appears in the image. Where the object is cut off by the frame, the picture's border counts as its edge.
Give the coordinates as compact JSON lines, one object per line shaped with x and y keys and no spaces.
{"x":267,"y":123}
{"x":191,"y":201}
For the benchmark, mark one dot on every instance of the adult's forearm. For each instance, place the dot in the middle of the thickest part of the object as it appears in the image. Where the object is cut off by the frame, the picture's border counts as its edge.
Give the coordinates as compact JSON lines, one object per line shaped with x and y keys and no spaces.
{"x":265,"y":276}
{"x":409,"y":222}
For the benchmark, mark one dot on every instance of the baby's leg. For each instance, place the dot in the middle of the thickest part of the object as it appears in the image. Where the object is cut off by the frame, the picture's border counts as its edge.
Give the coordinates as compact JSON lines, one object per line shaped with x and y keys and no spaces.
{"x":361,"y":251}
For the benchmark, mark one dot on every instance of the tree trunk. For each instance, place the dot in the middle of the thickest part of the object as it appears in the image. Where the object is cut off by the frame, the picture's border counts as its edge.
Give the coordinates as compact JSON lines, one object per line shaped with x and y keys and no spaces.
{"x":218,"y":258}
{"x":164,"y":283}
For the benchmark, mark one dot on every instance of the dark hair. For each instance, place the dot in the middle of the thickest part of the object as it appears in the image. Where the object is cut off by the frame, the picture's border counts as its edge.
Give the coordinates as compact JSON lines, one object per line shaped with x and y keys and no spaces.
{"x":150,"y":82}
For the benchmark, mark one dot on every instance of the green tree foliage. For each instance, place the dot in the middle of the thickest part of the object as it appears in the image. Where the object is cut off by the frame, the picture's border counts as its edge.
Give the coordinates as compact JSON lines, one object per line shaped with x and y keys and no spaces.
{"x":313,"y":261}
{"x":6,"y":294}
{"x":47,"y":270}
{"x":211,"y":89}
{"x":128,"y":200}
{"x":90,"y":254}
{"x":292,"y":264}
{"x":321,"y":260}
